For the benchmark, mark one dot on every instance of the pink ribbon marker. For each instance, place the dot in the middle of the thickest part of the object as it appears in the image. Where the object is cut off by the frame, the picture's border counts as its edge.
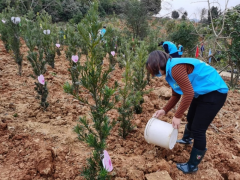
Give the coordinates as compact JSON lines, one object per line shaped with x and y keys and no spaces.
{"x":113,"y":53}
{"x":58,"y":45}
{"x":41,"y":79}
{"x":75,"y":58}
{"x":107,"y":163}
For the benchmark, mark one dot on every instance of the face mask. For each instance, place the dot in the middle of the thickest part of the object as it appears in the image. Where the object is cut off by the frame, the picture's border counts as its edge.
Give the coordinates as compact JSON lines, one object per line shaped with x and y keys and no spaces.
{"x":159,"y":74}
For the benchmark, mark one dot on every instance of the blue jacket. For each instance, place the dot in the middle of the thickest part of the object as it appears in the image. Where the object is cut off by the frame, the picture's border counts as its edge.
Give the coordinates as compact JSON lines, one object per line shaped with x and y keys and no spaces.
{"x":172,"y":48}
{"x":103,"y":31}
{"x":204,"y":78}
{"x":180,"y":52}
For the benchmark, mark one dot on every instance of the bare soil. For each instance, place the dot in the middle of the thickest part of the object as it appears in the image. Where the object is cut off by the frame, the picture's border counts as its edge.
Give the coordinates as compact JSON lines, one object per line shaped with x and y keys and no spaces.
{"x":42,"y":145}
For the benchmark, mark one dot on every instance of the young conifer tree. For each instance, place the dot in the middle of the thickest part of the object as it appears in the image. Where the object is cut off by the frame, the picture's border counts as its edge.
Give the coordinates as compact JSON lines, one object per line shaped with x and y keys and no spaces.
{"x":126,"y":93}
{"x":4,"y":30}
{"x":139,"y":75}
{"x":73,"y":55}
{"x":48,"y":37}
{"x":13,"y":28}
{"x":36,"y":57}
{"x":109,"y":44}
{"x":94,"y":78}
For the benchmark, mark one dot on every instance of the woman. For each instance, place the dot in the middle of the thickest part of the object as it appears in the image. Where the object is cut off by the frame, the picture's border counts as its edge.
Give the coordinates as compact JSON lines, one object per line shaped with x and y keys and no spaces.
{"x":203,"y":90}
{"x":170,"y":48}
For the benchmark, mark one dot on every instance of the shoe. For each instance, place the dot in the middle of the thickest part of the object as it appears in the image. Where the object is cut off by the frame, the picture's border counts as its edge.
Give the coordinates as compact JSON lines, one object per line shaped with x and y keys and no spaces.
{"x":192,"y":165}
{"x":187,"y":137}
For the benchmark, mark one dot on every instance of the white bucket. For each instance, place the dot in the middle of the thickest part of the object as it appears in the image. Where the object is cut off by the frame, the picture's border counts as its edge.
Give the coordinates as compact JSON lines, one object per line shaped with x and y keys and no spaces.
{"x":160,"y":133}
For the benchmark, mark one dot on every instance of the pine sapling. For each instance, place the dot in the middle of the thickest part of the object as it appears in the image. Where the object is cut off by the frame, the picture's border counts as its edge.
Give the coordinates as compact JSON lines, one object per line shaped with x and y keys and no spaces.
{"x":73,"y":56}
{"x":109,"y":44}
{"x":94,"y":79}
{"x":38,"y":64}
{"x":126,"y":94}
{"x":13,"y":28}
{"x":139,"y":75}
{"x":36,"y":59}
{"x":4,"y":32}
{"x":48,"y":38}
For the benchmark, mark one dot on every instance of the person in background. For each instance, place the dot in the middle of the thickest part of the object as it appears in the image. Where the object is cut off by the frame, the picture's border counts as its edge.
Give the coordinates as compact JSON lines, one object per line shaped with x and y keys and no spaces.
{"x":202,"y":49}
{"x":170,"y":48}
{"x":203,"y":92}
{"x":103,"y":31}
{"x":180,"y":50}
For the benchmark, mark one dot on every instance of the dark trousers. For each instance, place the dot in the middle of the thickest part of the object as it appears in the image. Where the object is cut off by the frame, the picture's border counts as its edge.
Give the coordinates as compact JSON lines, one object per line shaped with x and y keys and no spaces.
{"x":180,"y":56}
{"x":175,"y":55}
{"x":201,"y":113}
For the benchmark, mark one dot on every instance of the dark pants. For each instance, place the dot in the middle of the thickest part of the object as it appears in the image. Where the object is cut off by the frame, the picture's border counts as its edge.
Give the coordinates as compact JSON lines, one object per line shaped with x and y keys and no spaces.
{"x":175,"y":55}
{"x":180,"y":56}
{"x":201,"y":113}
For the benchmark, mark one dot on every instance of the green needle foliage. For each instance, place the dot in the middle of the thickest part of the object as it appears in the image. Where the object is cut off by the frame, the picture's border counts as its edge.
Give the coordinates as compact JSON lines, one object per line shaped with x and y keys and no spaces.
{"x":36,"y":56}
{"x":4,"y":30}
{"x":139,"y":75}
{"x":126,"y":93}
{"x":12,"y":30}
{"x":72,"y":40}
{"x":48,"y":38}
{"x":110,"y":43}
{"x":94,"y":80}
{"x":43,"y":92}
{"x":15,"y":44}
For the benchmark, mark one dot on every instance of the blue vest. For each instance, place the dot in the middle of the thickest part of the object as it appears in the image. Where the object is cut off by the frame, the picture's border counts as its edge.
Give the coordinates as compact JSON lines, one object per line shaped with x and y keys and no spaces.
{"x":180,"y":50}
{"x":103,"y":31}
{"x":204,"y":78}
{"x":171,"y":47}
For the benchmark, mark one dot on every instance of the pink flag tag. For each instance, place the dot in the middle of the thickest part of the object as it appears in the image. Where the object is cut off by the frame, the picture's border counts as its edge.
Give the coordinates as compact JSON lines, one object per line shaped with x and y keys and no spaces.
{"x":107,"y":163}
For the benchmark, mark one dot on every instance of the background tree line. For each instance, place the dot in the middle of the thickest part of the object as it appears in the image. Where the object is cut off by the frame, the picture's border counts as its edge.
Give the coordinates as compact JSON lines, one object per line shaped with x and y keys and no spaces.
{"x":65,"y":10}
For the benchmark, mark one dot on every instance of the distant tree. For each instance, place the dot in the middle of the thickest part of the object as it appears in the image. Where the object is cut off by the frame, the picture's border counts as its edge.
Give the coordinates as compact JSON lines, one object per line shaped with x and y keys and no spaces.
{"x":183,"y":35}
{"x":153,"y":6}
{"x":215,"y":13}
{"x":106,"y":7}
{"x":203,"y":13}
{"x":175,"y":14}
{"x":230,"y":53}
{"x":136,"y":16}
{"x":184,"y":16}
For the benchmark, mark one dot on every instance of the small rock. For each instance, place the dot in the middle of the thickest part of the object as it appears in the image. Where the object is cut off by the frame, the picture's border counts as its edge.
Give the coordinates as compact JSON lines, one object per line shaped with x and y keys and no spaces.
{"x":12,"y":106}
{"x":138,"y":123}
{"x":163,"y":175}
{"x":44,"y":165}
{"x":136,"y":174}
{"x":233,"y":176}
{"x":163,"y":165}
{"x":27,"y":177}
{"x":3,"y":126}
{"x":21,"y":165}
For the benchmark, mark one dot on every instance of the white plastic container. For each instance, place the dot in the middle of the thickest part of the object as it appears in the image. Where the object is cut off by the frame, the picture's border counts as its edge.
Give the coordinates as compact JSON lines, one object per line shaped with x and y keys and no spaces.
{"x":160,"y":133}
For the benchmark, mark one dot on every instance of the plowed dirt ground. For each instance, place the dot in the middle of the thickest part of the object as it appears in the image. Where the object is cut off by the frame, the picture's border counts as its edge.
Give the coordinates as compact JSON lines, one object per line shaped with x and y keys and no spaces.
{"x":42,"y":145}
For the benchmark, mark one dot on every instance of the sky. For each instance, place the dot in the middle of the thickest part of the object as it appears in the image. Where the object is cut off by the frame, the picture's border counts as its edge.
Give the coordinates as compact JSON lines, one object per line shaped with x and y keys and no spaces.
{"x":193,"y":7}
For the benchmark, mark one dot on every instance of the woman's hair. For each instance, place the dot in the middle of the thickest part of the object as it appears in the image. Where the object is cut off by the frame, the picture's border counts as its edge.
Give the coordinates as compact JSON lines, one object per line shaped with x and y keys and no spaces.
{"x":157,"y":60}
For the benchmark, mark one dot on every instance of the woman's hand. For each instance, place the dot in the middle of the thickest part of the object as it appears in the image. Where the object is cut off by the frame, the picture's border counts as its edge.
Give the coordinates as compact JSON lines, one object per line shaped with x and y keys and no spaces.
{"x":176,"y":122}
{"x":159,"y":113}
